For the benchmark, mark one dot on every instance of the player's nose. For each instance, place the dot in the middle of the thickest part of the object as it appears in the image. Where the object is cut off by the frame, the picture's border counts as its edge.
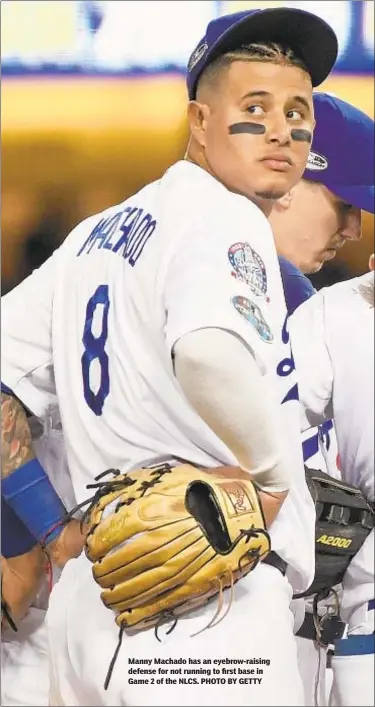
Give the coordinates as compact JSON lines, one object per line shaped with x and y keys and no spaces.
{"x":352,"y":228}
{"x":278,"y":129}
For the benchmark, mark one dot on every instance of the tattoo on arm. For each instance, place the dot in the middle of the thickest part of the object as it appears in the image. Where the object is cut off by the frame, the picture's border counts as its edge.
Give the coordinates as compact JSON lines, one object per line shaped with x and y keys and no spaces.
{"x":16,"y":445}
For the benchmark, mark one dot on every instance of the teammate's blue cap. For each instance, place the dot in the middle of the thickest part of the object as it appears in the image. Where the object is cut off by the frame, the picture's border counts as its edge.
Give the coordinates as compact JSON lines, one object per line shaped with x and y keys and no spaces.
{"x":310,"y":37}
{"x":342,"y":151}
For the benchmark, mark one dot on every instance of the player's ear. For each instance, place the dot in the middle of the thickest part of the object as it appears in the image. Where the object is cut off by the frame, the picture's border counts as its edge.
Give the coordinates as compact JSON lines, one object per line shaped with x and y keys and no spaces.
{"x":198,"y":114}
{"x":371,"y":262}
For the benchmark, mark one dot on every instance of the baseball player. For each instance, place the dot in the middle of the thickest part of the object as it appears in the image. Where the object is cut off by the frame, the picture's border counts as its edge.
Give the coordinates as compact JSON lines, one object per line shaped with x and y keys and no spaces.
{"x":329,"y":198}
{"x":342,"y":383}
{"x":311,"y":653}
{"x":312,"y":658}
{"x":341,"y":157}
{"x":339,"y":125}
{"x":24,"y":653}
{"x":154,"y":327}
{"x":349,"y":668}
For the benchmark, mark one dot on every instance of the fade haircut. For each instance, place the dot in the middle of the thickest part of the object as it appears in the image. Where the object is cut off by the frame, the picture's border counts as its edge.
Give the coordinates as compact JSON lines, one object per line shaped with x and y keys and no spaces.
{"x":263,"y":51}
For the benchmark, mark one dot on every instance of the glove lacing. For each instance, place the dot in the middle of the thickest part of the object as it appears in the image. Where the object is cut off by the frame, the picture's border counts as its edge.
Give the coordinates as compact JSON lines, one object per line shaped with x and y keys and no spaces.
{"x":253,"y":554}
{"x":106,"y":487}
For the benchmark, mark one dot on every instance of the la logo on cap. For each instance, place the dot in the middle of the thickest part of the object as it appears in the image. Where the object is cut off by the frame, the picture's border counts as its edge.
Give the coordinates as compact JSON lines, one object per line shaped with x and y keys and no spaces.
{"x":316,"y":162}
{"x":197,"y":55}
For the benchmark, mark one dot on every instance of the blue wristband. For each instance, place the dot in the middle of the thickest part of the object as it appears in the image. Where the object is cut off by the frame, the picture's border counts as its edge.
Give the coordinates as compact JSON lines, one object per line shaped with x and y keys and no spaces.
{"x":16,"y":539}
{"x":29,"y":492}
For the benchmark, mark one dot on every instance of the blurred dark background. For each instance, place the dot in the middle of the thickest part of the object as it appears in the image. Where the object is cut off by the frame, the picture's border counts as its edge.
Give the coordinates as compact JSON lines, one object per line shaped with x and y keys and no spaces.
{"x":93,"y":108}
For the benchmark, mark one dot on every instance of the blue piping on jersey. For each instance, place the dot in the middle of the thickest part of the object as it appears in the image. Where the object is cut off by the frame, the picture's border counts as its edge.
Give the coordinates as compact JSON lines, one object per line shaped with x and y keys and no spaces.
{"x":310,"y":446}
{"x":356,"y":645}
{"x":6,"y":390}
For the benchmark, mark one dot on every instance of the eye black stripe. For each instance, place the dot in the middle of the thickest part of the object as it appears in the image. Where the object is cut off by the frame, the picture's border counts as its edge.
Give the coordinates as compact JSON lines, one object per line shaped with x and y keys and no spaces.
{"x":301,"y":135}
{"x":252,"y":128}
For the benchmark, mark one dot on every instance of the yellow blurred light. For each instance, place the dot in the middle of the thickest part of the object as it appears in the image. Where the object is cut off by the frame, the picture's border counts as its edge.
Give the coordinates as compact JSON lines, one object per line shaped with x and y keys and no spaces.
{"x":38,"y":30}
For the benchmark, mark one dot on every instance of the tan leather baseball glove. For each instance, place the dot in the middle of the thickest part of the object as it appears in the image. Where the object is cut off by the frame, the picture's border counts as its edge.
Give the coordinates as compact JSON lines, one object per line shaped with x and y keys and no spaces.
{"x":164,"y":540}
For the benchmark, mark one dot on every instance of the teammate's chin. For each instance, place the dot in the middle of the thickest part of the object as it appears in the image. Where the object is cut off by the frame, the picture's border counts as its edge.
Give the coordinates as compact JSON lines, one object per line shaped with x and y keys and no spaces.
{"x":317,"y":261}
{"x":312,"y":266}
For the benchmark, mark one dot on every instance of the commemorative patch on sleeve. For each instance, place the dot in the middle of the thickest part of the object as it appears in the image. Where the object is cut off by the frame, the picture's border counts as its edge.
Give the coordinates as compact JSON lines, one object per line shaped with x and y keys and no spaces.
{"x":251,"y":312}
{"x":248,"y":267}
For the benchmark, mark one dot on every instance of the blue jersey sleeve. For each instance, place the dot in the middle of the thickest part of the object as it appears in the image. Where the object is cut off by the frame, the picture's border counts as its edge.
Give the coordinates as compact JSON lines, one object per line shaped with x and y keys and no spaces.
{"x":297,"y":287}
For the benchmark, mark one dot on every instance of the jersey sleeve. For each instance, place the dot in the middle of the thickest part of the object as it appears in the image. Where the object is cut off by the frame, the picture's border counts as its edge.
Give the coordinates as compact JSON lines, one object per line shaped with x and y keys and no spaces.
{"x":26,"y":337}
{"x":218,"y":278}
{"x":313,"y":362}
{"x":27,"y":368}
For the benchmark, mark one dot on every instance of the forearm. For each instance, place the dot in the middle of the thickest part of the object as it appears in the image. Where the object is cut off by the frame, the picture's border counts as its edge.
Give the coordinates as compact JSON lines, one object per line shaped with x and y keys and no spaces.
{"x":24,"y":482}
{"x":16,"y":443}
{"x":28,"y":491}
{"x":222,"y":382}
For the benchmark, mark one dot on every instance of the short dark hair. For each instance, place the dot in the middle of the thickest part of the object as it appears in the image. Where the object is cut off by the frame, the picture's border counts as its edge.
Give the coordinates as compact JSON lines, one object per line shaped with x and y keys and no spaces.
{"x":262,"y":51}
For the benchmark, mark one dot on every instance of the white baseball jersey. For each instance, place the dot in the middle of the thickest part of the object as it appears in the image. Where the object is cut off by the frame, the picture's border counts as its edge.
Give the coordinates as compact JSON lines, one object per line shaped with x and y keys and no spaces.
{"x":95,"y":327}
{"x":336,"y":378}
{"x":49,"y":448}
{"x":320,"y":449}
{"x":336,"y":371}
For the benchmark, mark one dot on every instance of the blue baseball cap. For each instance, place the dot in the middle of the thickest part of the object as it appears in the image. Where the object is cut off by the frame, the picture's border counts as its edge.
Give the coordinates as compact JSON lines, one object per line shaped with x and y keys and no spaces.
{"x":342,"y":151}
{"x":310,"y":37}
